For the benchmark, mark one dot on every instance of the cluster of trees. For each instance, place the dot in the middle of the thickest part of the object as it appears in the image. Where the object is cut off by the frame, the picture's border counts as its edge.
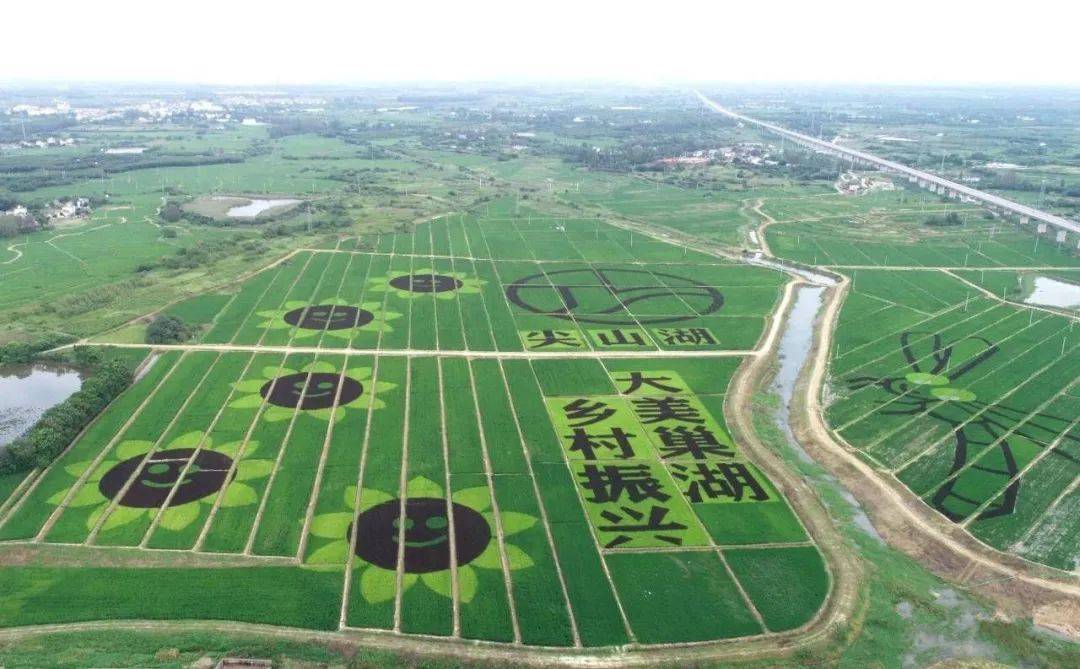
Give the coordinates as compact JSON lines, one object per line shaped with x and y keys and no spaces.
{"x":803,"y":166}
{"x":207,"y":252}
{"x":320,"y":224}
{"x":283,"y":126}
{"x":32,"y":172}
{"x":166,"y":329}
{"x":17,"y":127}
{"x":171,"y":212}
{"x":11,"y":226}
{"x":22,"y":352}
{"x":948,"y":220}
{"x":1009,"y":180}
{"x":60,"y":425}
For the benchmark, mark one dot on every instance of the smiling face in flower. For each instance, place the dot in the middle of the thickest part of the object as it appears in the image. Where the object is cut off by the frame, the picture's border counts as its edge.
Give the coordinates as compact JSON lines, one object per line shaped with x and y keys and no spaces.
{"x":420,"y":528}
{"x":332,"y":318}
{"x":443,"y":285}
{"x":189,"y":473}
{"x":426,"y":534}
{"x":316,"y":390}
{"x":328,"y":317}
{"x":320,"y":389}
{"x":426,"y":283}
{"x":152,"y":478}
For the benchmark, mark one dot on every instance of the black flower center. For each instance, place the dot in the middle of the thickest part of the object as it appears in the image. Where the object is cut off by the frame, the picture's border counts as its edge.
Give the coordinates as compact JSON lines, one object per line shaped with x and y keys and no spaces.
{"x":329,"y":317}
{"x":317,"y":390}
{"x":157,"y":474}
{"x":427,"y":534}
{"x":426,"y":283}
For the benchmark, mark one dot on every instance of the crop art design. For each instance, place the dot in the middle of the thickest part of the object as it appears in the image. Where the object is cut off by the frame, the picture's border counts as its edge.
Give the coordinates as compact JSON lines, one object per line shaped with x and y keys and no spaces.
{"x":321,"y":390}
{"x":426,"y":282}
{"x":189,"y":471}
{"x":426,"y":532}
{"x":614,"y":296}
{"x":331,"y":318}
{"x":989,"y":438}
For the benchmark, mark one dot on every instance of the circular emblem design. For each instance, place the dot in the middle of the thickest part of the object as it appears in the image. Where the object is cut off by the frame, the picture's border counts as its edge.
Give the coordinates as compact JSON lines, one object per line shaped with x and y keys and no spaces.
{"x":609,"y":296}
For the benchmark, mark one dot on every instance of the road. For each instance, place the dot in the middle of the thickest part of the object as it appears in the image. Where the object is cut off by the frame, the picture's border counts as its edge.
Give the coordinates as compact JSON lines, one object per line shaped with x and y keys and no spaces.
{"x":828,"y":147}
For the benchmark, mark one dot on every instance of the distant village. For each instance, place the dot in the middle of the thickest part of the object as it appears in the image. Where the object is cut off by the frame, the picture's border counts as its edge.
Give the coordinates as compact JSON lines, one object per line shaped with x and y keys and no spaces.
{"x":743,"y":153}
{"x":852,"y":183}
{"x":20,"y":220}
{"x":240,"y":109}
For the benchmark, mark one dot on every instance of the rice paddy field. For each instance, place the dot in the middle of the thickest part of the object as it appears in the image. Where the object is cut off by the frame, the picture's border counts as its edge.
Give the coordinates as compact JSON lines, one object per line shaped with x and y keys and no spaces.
{"x":88,"y":273}
{"x":473,"y":389}
{"x":530,"y":284}
{"x":941,"y":376}
{"x":898,"y":237}
{"x":505,"y":427}
{"x":969,"y":401}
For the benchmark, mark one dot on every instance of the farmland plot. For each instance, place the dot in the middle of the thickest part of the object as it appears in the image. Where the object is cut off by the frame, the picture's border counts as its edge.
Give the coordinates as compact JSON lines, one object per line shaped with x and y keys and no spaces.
{"x":968,"y":401}
{"x":555,"y":498}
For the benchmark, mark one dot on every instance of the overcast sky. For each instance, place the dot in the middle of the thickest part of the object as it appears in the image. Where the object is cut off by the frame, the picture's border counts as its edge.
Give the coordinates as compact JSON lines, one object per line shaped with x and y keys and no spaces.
{"x":663,"y":41}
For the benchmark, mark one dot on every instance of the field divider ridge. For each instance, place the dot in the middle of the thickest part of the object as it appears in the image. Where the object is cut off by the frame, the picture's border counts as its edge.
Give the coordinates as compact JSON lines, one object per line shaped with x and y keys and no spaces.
{"x":346,"y":587}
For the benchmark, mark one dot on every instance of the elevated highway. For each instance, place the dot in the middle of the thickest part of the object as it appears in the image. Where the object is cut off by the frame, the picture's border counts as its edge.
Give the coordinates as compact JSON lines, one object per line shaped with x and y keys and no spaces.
{"x":924,"y":179}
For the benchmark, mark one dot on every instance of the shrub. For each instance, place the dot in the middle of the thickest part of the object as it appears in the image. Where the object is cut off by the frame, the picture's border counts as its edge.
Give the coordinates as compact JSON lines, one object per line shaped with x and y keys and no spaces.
{"x":165,"y":329}
{"x":951,"y":219}
{"x":171,"y":213}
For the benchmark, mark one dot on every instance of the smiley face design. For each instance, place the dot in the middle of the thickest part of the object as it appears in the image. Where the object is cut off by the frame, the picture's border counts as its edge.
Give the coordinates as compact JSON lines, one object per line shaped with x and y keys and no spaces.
{"x":329,"y":317}
{"x":426,"y":283}
{"x":321,"y":389}
{"x":375,"y":525}
{"x":426,"y":534}
{"x":317,"y":390}
{"x":156,"y":476}
{"x":136,"y":480}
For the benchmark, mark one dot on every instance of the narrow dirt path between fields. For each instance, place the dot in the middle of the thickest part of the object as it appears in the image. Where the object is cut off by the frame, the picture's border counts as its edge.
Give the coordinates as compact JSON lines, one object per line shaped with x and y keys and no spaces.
{"x":14,"y":248}
{"x":51,"y":241}
{"x":766,"y":221}
{"x":413,"y":352}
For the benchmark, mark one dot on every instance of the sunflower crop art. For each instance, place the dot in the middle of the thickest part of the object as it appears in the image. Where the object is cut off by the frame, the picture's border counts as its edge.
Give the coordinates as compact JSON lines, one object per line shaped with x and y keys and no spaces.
{"x":332,"y":318}
{"x":315,"y":389}
{"x":138,"y":480}
{"x":420,"y":282}
{"x":376,"y":528}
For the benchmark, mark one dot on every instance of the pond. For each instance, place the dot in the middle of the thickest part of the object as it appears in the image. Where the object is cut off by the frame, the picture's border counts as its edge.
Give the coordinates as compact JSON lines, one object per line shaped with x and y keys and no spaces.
{"x":255,"y":207}
{"x":27,"y":391}
{"x":1049,"y":292}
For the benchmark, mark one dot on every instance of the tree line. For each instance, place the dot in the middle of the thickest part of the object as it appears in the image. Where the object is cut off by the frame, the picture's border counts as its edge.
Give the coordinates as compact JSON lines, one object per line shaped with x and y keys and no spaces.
{"x":59,"y":425}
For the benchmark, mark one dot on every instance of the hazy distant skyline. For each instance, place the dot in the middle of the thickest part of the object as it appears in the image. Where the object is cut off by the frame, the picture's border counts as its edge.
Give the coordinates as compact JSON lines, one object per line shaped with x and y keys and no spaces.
{"x":319,"y":42}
